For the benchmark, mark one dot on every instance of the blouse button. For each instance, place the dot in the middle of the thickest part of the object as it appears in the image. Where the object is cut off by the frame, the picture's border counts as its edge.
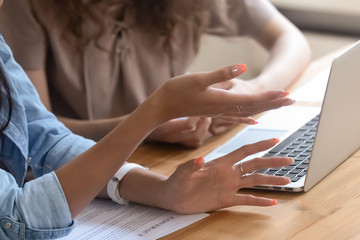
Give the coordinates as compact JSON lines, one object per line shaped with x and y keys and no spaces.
{"x":7,"y":225}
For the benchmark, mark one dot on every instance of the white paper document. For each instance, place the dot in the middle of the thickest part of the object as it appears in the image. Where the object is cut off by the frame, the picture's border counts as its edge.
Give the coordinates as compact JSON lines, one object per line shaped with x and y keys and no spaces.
{"x":104,"y":219}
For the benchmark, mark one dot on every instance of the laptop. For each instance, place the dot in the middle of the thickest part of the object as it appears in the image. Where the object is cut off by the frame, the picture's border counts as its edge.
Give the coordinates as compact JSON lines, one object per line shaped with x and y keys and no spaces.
{"x":318,"y":138}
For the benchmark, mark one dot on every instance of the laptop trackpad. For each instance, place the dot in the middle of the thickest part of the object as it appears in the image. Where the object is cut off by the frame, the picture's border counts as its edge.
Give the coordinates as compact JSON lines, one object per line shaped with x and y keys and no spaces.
{"x":251,"y":135}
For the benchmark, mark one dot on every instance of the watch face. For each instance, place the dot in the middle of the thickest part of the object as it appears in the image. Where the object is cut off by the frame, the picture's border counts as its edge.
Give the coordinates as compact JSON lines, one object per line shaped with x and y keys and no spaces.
{"x":115,"y":179}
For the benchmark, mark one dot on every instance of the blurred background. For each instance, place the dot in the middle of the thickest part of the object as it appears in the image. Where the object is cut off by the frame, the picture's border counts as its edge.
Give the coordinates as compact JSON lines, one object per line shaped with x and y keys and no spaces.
{"x":327,"y":24}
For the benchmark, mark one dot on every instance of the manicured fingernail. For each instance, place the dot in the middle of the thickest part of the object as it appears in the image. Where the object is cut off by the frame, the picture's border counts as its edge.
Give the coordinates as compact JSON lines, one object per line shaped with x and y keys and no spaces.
{"x":276,"y":140}
{"x":199,"y":161}
{"x":274,"y":202}
{"x":286,"y":93}
{"x":253,"y":122}
{"x":238,"y":69}
{"x":289,"y":102}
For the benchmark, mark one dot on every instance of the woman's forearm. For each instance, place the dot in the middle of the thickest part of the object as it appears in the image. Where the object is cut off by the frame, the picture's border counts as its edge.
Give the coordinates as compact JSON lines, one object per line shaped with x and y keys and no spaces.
{"x":93,"y":129}
{"x":84,"y":177}
{"x":289,"y":54}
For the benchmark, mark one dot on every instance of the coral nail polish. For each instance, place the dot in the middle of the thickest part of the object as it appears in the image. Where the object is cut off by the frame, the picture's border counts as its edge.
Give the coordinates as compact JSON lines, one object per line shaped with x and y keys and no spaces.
{"x":274,"y":202}
{"x":243,"y":68}
{"x":286,"y":93}
{"x":199,"y":161}
{"x":238,"y":69}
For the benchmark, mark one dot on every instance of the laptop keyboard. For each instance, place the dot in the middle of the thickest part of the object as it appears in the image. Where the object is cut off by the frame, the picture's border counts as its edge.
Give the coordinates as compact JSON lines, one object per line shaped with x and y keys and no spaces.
{"x":298,"y":146}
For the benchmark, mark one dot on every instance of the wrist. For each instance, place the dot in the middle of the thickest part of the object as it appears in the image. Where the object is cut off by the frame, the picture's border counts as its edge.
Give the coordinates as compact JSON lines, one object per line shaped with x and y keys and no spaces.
{"x":145,"y":187}
{"x":154,"y":110}
{"x":114,"y":182}
{"x":172,"y":199}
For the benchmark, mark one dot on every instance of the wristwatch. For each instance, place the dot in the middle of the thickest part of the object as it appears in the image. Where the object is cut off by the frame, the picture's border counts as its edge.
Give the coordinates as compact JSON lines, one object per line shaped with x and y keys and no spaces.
{"x":112,"y":186}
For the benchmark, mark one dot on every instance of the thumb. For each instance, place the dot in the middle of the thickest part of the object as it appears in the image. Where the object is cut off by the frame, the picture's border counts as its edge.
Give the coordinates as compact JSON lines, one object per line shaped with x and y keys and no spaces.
{"x":192,"y":166}
{"x":223,"y":74}
{"x":198,"y":163}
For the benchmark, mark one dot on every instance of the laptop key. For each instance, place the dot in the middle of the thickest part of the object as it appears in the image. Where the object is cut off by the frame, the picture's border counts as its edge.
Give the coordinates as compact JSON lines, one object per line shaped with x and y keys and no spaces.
{"x":300,"y":158}
{"x":287,"y":169}
{"x":289,"y":175}
{"x":299,"y":146}
{"x":281,"y":173}
{"x":295,"y":179}
{"x":302,"y":166}
{"x":295,"y":171}
{"x":301,"y":174}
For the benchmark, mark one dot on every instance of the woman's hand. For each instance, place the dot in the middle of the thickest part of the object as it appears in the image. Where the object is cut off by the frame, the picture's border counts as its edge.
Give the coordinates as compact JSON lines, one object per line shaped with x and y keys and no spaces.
{"x":235,"y":85}
{"x":201,"y":187}
{"x":195,"y":95}
{"x":190,"y":132}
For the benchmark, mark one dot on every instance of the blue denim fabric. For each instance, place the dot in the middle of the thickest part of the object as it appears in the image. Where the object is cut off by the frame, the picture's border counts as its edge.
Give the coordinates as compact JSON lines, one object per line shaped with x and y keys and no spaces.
{"x":34,"y":137}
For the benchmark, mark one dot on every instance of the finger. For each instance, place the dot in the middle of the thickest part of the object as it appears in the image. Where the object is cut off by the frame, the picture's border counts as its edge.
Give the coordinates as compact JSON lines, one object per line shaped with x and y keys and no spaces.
{"x":191,"y":166}
{"x":221,"y":75}
{"x":183,"y":124}
{"x":216,"y":130}
{"x":265,"y":106}
{"x":267,"y":96}
{"x":242,"y":199}
{"x":250,"y":149}
{"x":230,"y":120}
{"x":257,"y":179}
{"x":249,"y":103}
{"x":193,"y":121}
{"x":203,"y":125}
{"x":172,"y":131}
{"x":198,"y":163}
{"x":220,"y":125}
{"x":196,"y":137}
{"x":263,"y":163}
{"x":223,"y":85}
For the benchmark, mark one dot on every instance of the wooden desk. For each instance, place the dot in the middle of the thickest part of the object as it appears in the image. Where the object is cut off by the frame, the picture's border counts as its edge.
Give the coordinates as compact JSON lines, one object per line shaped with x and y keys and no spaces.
{"x":330,"y":210}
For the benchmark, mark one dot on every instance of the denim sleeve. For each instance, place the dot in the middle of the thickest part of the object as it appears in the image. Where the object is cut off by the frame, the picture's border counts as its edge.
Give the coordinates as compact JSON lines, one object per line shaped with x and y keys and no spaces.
{"x":39,"y":210}
{"x":68,"y":148}
{"x":50,"y":143}
{"x":53,"y":147}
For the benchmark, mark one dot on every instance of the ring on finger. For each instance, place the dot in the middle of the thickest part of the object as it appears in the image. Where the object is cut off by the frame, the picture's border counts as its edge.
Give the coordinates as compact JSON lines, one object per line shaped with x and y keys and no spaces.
{"x":241,"y":168}
{"x":239,"y":108}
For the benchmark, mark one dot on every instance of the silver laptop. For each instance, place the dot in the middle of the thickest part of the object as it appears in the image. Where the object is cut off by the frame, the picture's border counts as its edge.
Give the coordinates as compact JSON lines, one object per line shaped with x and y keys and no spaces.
{"x":319,"y":139}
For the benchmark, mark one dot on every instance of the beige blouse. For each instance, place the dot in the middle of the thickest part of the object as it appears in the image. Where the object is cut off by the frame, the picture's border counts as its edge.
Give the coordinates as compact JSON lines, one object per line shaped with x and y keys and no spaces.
{"x":112,"y":80}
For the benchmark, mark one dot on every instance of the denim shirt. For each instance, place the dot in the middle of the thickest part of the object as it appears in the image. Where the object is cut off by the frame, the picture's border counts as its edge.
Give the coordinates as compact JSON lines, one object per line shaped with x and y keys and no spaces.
{"x":37,"y":209}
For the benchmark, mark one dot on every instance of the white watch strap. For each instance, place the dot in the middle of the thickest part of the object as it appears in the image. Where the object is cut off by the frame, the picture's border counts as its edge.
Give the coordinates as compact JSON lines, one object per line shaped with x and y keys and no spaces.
{"x":112,"y":186}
